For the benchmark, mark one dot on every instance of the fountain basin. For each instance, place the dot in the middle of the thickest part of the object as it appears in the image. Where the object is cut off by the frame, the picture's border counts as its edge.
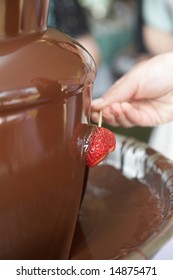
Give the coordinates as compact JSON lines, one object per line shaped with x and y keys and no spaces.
{"x":127,"y":211}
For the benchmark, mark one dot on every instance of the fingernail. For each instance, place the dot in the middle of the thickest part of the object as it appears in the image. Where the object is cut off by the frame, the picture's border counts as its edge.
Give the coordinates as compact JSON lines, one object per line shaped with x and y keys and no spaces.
{"x":97,"y":102}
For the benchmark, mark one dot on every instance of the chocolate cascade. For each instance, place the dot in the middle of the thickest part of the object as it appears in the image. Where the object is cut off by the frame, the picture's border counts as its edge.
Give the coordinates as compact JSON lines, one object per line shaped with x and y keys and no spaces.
{"x":46,"y":81}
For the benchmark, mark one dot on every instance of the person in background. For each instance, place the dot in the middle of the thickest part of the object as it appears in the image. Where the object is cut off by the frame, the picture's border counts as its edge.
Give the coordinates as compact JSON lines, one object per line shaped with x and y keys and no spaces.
{"x":69,"y":17}
{"x":157,"y":25}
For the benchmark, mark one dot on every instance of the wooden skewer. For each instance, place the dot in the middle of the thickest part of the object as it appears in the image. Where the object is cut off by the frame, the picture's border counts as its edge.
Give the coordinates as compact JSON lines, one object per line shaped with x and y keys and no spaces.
{"x":100,"y":119}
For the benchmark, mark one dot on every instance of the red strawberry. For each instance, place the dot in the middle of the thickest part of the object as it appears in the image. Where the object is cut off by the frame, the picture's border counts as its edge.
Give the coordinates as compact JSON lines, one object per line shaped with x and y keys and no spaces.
{"x":102,"y":143}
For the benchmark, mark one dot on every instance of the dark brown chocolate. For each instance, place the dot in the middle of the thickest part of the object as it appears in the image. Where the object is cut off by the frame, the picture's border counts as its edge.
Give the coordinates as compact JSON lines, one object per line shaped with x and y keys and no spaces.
{"x":46,"y":81}
{"x":117,"y":215}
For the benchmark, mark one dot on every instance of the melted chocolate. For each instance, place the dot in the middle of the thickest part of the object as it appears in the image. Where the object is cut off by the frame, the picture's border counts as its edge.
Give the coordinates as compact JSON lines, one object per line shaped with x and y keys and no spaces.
{"x":117,"y":215}
{"x":46,"y":81}
{"x":45,"y":92}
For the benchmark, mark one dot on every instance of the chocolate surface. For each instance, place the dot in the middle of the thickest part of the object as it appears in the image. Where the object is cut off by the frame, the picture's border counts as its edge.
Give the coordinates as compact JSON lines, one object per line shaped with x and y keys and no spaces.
{"x":45,"y":92}
{"x":117,"y":215}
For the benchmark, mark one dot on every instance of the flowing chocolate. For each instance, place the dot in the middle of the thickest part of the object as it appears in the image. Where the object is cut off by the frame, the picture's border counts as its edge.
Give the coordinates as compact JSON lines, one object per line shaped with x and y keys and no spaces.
{"x":46,"y":81}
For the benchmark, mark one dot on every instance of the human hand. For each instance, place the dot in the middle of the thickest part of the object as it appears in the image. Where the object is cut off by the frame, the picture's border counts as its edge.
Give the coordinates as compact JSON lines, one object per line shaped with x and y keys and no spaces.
{"x":143,"y":97}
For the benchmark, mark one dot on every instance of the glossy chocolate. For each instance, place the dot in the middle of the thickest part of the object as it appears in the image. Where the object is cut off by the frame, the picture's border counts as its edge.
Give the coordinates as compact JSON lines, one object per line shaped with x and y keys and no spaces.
{"x":117,"y":215}
{"x":45,"y":92}
{"x":127,"y":211}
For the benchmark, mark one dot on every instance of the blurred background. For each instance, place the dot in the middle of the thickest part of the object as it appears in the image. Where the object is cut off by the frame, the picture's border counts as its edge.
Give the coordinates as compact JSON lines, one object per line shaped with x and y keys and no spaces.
{"x":111,"y":31}
{"x":117,"y":27}
{"x":113,"y":23}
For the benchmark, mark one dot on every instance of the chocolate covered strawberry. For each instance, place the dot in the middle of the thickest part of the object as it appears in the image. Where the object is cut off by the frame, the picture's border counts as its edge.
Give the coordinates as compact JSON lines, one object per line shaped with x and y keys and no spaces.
{"x":102,"y":143}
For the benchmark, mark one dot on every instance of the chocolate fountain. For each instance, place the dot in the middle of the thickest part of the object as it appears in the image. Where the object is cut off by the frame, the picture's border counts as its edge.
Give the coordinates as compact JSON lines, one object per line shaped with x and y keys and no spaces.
{"x":46,"y":80}
{"x":49,"y":208}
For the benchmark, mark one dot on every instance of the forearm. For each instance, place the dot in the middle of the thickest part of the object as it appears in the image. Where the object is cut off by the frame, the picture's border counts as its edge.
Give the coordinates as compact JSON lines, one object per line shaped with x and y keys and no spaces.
{"x":157,"y":41}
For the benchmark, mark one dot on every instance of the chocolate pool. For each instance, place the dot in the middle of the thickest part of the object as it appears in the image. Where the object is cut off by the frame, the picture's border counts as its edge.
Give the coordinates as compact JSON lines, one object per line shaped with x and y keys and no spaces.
{"x":127,"y":212}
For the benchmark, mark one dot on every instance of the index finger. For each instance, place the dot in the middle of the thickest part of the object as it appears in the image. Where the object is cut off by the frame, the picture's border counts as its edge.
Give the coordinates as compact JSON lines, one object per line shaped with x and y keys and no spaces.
{"x":122,"y":90}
